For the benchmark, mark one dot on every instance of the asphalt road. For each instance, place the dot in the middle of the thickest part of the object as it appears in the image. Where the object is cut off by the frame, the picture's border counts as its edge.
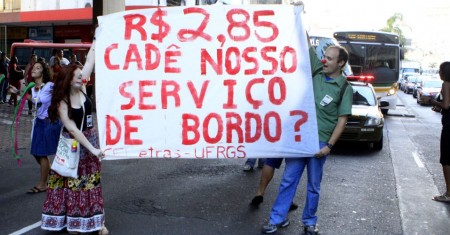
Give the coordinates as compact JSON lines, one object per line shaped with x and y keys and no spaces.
{"x":363,"y":192}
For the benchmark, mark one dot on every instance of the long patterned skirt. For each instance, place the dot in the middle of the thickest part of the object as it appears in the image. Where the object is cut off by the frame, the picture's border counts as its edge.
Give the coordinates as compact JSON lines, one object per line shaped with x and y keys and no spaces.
{"x":76,"y":204}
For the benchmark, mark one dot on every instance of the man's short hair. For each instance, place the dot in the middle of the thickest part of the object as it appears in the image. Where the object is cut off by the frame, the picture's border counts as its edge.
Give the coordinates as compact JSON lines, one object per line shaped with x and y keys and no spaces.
{"x":343,"y":54}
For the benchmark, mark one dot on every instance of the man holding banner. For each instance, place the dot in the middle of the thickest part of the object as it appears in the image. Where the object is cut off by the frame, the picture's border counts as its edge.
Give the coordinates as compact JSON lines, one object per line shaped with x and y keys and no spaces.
{"x":230,"y":82}
{"x":332,"y":110}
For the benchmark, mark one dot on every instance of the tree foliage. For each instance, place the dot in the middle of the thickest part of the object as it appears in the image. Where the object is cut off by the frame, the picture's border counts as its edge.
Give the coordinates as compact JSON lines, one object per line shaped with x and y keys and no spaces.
{"x":393,"y":25}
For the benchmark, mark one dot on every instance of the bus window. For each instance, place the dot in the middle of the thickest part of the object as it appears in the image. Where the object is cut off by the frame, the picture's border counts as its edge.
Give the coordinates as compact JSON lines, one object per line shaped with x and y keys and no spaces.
{"x":23,"y":56}
{"x":23,"y":50}
{"x":356,"y":58}
{"x":43,"y":52}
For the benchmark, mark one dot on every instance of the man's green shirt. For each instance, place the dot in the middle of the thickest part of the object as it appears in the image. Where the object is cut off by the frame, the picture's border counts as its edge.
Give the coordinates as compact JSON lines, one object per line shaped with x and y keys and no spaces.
{"x":329,"y":105}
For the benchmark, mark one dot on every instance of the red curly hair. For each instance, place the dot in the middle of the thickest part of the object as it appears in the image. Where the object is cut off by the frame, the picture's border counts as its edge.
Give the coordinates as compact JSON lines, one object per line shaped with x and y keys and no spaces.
{"x":61,"y":90}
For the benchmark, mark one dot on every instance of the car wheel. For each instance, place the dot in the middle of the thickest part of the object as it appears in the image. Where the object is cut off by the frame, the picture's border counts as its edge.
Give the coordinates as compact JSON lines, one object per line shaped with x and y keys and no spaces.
{"x":377,"y":146}
{"x":419,"y":100}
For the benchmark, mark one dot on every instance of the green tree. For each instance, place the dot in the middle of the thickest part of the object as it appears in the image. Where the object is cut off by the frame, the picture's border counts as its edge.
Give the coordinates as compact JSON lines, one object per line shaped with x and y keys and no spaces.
{"x":393,"y":25}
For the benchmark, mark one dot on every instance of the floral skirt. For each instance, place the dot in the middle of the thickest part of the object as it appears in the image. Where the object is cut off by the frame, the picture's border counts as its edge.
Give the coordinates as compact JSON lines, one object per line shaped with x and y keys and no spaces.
{"x":76,"y":204}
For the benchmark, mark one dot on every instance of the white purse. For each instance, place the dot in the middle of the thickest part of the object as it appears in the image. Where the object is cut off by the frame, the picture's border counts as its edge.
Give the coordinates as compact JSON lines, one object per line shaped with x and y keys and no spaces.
{"x":67,"y":155}
{"x":66,"y":160}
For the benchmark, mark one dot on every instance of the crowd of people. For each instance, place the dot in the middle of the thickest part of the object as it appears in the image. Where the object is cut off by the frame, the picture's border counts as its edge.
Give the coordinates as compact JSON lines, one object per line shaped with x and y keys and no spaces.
{"x":62,"y":106}
{"x":15,"y":78}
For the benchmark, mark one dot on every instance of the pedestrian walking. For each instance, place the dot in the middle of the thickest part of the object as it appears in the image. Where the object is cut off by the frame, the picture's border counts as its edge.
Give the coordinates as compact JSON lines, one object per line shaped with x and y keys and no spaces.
{"x":60,"y":54}
{"x":332,"y":112}
{"x":28,"y":78}
{"x":15,"y":76}
{"x":4,"y":84}
{"x":76,"y":203}
{"x":45,"y":134}
{"x":268,"y":170}
{"x":55,"y":68}
{"x":444,"y":74}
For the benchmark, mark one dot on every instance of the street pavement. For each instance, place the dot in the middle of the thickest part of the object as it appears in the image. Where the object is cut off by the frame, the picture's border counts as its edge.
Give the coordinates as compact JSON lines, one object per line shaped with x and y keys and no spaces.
{"x":364,"y":192}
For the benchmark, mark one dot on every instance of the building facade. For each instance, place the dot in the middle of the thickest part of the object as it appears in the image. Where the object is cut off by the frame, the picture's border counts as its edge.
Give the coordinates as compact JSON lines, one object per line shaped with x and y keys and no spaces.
{"x":62,"y":21}
{"x":47,"y":21}
{"x":69,"y":21}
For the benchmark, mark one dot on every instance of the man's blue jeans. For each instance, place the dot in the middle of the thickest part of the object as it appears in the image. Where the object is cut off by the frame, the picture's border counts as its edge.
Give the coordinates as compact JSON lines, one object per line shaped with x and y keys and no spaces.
{"x":288,"y":185}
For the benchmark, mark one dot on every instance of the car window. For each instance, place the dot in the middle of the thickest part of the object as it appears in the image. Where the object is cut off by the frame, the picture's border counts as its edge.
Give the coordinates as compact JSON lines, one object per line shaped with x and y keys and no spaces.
{"x":412,"y":79}
{"x":433,"y":84}
{"x":411,"y":70}
{"x":363,"y":95}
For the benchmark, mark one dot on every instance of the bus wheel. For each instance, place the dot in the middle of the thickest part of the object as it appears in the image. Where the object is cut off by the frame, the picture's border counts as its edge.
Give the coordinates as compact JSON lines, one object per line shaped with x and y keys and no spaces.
{"x":384,"y":111}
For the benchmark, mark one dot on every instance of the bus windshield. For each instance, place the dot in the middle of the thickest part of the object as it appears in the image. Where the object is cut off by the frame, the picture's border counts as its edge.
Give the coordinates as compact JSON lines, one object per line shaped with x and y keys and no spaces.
{"x":375,"y":57}
{"x":372,"y":53}
{"x":364,"y":59}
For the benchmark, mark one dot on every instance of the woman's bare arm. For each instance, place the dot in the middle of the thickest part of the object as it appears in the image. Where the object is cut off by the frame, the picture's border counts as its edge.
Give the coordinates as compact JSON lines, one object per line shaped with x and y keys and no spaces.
{"x":72,"y":128}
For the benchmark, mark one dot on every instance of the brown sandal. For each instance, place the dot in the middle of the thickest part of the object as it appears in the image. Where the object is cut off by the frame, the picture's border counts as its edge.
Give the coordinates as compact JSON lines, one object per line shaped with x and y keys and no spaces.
{"x":35,"y":190}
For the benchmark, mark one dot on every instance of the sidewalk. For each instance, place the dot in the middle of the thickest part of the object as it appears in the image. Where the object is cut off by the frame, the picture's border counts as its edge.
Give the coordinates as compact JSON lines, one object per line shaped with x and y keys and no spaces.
{"x":415,"y":187}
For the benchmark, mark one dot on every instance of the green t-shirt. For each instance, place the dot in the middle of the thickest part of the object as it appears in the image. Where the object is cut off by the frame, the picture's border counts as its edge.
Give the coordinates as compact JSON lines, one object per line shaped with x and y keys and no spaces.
{"x":329,"y":105}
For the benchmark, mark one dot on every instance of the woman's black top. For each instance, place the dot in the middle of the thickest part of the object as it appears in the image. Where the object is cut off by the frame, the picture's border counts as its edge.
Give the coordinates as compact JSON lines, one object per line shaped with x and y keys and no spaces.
{"x":77,"y":114}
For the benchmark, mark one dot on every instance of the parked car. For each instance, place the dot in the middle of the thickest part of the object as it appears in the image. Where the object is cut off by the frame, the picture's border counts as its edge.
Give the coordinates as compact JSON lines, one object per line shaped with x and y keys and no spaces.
{"x":366,"y":122}
{"x":428,"y":88}
{"x":419,"y":84}
{"x":404,"y":80}
{"x":410,"y":83}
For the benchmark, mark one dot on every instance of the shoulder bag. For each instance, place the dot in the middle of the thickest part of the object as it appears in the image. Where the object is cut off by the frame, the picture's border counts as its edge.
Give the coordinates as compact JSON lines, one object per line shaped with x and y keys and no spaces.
{"x":68,"y":154}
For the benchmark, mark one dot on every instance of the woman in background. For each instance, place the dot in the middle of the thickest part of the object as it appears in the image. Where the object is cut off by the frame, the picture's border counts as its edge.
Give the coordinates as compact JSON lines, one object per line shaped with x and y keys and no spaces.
{"x":444,"y":74}
{"x":56,"y":68}
{"x":15,"y":75}
{"x":29,"y":78}
{"x":45,"y":134}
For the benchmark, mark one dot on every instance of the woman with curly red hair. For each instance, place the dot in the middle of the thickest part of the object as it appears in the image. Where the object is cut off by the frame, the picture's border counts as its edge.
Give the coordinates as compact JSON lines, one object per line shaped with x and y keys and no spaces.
{"x":76,"y":204}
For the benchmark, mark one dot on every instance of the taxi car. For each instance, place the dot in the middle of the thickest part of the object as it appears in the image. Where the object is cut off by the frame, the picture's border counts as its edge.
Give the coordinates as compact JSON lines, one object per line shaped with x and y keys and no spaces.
{"x":366,"y":122}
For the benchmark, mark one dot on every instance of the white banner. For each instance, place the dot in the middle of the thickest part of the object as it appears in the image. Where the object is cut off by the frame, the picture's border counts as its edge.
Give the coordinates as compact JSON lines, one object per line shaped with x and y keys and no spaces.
{"x":205,"y":82}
